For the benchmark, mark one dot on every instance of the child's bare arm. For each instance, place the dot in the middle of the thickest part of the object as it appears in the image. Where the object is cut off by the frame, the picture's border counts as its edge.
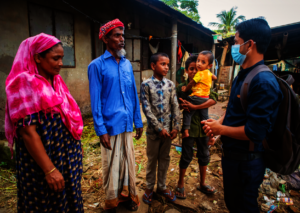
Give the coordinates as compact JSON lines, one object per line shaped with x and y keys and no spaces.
{"x":189,"y":86}
{"x":214,"y":77}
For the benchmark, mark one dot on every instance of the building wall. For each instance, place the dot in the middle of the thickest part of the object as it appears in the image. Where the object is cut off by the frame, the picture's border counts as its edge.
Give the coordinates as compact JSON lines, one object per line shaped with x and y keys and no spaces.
{"x":14,"y":28}
{"x":76,"y":78}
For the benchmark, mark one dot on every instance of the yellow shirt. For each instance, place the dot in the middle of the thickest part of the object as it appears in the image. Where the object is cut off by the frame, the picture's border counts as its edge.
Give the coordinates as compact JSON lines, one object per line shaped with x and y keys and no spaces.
{"x":203,"y":81}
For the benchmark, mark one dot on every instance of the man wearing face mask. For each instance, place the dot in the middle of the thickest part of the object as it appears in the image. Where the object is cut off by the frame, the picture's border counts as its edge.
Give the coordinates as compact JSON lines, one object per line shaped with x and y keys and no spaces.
{"x":243,"y":132}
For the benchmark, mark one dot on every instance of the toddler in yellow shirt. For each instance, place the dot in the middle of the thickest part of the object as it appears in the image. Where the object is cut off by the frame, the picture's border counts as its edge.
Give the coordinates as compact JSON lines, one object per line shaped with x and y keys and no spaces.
{"x":200,"y":87}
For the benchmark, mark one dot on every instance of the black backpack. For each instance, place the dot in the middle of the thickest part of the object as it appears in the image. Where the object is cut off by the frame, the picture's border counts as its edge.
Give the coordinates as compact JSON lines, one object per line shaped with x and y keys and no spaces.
{"x":282,"y":149}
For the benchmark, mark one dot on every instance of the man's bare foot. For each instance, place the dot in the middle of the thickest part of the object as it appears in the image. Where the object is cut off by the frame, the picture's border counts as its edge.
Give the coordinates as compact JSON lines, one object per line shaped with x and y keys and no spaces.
{"x":185,"y":133}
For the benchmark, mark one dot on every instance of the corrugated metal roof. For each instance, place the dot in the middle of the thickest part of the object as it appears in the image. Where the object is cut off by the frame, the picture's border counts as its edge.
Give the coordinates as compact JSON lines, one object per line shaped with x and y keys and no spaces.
{"x":292,"y":26}
{"x":295,"y":24}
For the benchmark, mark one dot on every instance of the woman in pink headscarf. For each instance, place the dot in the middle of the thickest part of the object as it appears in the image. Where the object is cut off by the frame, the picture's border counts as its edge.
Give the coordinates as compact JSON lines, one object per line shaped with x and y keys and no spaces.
{"x":44,"y":121}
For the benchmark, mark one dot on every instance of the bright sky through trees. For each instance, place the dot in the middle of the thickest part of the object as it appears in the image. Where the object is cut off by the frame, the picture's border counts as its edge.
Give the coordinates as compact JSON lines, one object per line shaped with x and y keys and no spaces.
{"x":276,"y":12}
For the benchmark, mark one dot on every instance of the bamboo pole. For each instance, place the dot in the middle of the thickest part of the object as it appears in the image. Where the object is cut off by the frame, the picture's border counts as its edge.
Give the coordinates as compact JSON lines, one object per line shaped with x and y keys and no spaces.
{"x":173,"y":50}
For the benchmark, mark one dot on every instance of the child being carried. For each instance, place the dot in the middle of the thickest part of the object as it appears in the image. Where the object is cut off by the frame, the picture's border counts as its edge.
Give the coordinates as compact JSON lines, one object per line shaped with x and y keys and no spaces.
{"x":200,"y":86}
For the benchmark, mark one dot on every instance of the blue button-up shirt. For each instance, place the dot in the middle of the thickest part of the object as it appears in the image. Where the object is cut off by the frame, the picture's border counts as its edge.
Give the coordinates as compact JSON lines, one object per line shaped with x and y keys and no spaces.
{"x":264,"y":98}
{"x":114,"y":99}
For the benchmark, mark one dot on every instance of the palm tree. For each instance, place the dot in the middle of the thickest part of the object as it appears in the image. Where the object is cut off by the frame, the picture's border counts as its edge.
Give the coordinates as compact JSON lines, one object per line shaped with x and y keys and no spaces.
{"x":227,"y":21}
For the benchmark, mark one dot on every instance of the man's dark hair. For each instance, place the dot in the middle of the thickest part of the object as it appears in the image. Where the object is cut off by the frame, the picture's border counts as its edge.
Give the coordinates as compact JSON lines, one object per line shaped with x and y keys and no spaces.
{"x":155,"y":57}
{"x":258,"y":30}
{"x":192,"y":58}
{"x":44,"y":53}
{"x":110,"y":32}
{"x":209,"y":55}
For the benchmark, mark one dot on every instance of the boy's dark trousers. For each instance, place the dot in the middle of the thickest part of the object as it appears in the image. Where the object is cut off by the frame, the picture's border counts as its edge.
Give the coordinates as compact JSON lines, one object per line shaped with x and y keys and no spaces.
{"x":187,"y":116}
{"x":242,"y":179}
{"x":158,"y":153}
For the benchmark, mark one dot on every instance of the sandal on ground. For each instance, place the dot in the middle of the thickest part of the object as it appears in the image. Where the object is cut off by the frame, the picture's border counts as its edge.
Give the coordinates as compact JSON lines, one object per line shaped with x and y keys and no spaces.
{"x":206,"y":189}
{"x":181,"y":191}
{"x":147,"y":197}
{"x":167,"y":195}
{"x":131,"y":205}
{"x":114,"y":210}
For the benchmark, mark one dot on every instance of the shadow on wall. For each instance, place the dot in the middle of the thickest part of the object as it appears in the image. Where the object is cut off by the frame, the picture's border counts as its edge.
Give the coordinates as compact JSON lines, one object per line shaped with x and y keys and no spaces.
{"x":2,"y":114}
{"x":6,"y":62}
{"x":3,"y":77}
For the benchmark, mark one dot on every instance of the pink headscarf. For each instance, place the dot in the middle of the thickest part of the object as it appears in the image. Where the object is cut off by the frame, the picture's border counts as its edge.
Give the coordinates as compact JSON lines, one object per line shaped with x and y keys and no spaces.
{"x":28,"y":92}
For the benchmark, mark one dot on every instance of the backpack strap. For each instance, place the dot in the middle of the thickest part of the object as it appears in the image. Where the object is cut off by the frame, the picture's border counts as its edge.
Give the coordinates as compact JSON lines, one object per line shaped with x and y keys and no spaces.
{"x":246,"y":84}
{"x":289,"y":80}
{"x":245,"y":88}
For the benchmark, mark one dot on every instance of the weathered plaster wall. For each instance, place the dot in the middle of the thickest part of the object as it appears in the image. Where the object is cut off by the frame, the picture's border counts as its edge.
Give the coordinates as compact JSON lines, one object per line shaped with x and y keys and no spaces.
{"x":14,"y":28}
{"x":76,"y":78}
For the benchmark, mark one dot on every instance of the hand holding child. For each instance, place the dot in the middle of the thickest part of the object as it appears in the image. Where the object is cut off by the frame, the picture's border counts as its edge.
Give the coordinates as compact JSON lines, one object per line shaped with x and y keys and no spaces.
{"x":183,"y":104}
{"x":183,"y":88}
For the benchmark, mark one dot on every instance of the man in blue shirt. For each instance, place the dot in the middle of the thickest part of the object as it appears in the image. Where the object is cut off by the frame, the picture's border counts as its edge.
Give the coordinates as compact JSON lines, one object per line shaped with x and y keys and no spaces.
{"x":242,"y":162}
{"x":115,"y":107}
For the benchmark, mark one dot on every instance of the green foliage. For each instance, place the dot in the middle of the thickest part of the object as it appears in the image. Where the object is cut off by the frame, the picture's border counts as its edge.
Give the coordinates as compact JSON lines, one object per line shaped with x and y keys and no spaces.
{"x":3,"y":164}
{"x":228,"y":20}
{"x":134,"y":141}
{"x":186,"y":7}
{"x":140,"y":168}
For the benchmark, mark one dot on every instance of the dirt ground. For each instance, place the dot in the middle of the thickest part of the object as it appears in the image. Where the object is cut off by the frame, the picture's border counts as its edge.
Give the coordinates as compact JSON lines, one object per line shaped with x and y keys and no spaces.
{"x":92,"y":188}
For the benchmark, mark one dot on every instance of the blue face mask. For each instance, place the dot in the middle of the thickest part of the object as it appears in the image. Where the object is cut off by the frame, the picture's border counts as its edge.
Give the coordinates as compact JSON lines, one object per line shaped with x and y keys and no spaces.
{"x":236,"y":55}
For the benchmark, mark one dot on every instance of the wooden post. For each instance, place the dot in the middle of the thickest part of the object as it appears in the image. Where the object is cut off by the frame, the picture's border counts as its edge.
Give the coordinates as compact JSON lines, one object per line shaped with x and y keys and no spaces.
{"x":174,"y":50}
{"x":214,"y":63}
{"x":225,"y":48}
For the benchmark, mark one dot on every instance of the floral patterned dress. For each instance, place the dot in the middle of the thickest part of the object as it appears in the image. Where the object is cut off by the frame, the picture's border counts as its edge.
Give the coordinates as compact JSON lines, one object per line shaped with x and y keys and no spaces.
{"x":34,"y":194}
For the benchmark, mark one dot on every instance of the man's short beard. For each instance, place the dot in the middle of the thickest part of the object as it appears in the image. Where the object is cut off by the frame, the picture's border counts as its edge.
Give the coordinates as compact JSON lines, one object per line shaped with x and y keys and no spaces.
{"x":120,"y":53}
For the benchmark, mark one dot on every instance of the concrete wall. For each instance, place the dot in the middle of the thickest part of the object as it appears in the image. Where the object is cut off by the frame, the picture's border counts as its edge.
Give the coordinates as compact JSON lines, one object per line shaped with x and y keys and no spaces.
{"x":14,"y":28}
{"x":76,"y":78}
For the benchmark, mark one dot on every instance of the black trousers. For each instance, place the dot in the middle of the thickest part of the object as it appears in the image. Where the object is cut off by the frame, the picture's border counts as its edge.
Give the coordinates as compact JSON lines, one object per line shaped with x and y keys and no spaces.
{"x":188,"y":152}
{"x":187,"y":116}
{"x":241,"y":182}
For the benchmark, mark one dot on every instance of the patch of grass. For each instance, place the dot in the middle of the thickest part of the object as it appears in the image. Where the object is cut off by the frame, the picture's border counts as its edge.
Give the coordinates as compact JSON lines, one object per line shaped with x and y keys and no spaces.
{"x":3,"y":164}
{"x":8,"y":188}
{"x":140,"y":168}
{"x":134,"y":142}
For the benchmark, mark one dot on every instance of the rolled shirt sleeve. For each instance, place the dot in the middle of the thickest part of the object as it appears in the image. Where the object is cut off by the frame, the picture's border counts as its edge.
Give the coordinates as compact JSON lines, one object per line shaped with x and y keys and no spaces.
{"x":263,"y":105}
{"x":95,"y":87}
